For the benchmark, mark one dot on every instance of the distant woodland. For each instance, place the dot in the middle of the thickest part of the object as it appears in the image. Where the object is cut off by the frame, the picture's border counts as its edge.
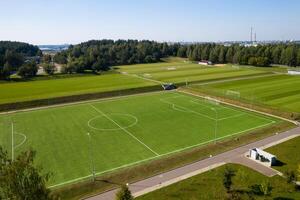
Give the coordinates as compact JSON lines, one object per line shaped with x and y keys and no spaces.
{"x":101,"y":55}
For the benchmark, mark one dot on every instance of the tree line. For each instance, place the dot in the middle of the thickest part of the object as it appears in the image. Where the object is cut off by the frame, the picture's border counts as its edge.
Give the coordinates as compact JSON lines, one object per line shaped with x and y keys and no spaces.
{"x":18,"y":57}
{"x":102,"y":54}
{"x":260,"y":55}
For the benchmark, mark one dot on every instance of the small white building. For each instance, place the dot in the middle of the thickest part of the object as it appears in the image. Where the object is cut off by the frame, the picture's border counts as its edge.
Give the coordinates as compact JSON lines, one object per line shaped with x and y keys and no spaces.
{"x":293,"y":72}
{"x":205,"y":62}
{"x":262,"y":156}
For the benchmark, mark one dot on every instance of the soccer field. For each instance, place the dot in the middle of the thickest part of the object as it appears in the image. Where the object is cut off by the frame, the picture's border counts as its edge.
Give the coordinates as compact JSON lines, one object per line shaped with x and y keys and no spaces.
{"x":180,"y":72}
{"x":122,"y":131}
{"x":278,"y":91}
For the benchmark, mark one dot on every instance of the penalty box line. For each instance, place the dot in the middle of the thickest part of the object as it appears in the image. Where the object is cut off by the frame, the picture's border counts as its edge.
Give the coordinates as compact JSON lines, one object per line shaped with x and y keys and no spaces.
{"x":126,"y":131}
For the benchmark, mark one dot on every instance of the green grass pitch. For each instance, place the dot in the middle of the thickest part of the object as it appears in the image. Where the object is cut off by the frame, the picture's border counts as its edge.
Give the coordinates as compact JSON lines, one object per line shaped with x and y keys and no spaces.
{"x":278,"y":91}
{"x":124,"y":131}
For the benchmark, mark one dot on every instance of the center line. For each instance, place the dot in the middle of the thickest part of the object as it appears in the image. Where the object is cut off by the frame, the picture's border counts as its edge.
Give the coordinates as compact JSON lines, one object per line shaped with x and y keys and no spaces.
{"x":126,"y":131}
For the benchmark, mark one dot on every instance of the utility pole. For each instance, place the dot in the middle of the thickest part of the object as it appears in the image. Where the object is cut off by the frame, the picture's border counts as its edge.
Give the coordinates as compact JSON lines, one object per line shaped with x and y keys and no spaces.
{"x":91,"y":156}
{"x":251,"y":34}
{"x":216,"y":123}
{"x":12,"y":141}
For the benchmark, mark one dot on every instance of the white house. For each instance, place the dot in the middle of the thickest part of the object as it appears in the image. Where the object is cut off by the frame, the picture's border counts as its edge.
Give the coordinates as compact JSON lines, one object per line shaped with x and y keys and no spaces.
{"x":262,"y":156}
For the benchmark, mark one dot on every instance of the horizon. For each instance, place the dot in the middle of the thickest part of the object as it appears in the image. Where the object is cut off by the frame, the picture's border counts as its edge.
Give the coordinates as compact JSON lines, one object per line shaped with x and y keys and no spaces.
{"x":72,"y":22}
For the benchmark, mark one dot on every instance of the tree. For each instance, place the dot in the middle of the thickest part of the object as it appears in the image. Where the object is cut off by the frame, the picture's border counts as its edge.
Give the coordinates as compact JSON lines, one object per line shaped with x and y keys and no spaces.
{"x":290,"y":176}
{"x":124,"y":194}
{"x":47,"y":58}
{"x":28,"y":70}
{"x":227,"y":178}
{"x":20,"y":179}
{"x":252,"y":61}
{"x":229,"y":55}
{"x":266,"y":188}
{"x":49,"y":68}
{"x":5,"y":71}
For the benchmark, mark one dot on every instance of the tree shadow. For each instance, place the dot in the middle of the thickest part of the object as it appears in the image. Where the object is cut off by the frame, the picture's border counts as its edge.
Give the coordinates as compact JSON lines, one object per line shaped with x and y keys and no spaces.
{"x":282,"y":198}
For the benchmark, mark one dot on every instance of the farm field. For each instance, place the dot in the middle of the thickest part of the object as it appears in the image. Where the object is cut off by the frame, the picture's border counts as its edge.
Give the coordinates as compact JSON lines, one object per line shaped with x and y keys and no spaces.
{"x":200,"y":186}
{"x":122,"y":131}
{"x":180,"y":72}
{"x":41,"y":89}
{"x":278,"y":91}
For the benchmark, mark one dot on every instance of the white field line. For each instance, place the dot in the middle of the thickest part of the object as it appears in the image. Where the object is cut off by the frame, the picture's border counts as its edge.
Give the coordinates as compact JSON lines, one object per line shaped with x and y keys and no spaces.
{"x":232,"y":116}
{"x":154,"y":157}
{"x":234,"y":109}
{"x":144,"y":78}
{"x":184,"y":108}
{"x":23,"y":141}
{"x":125,"y":130}
{"x":245,"y":108}
{"x":235,"y":79}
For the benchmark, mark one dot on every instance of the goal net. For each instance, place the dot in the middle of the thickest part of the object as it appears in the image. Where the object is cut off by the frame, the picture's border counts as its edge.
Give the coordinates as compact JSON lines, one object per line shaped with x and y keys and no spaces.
{"x":211,"y":100}
{"x":233,"y":93}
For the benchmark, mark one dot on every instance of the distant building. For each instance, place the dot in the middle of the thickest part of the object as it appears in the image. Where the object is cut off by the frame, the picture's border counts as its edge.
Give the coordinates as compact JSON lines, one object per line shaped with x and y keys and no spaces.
{"x":205,"y":62}
{"x":293,"y":72}
{"x":262,"y":156}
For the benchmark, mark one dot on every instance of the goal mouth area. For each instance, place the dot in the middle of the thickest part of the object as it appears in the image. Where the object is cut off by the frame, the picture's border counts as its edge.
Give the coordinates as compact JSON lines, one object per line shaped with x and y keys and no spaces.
{"x":233,"y":93}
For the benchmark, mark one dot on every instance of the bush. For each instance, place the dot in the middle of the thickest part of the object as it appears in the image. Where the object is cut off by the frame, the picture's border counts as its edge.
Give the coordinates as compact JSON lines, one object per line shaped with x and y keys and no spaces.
{"x":124,"y":194}
{"x":28,"y":70}
{"x":49,"y":69}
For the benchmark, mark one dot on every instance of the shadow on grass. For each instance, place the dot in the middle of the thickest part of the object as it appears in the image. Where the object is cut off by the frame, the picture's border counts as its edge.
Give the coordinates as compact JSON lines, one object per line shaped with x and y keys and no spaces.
{"x":279,"y":163}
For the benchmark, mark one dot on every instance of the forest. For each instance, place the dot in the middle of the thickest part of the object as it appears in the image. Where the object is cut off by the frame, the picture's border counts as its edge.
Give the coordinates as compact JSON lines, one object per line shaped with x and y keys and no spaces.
{"x":17,"y":57}
{"x":101,"y":55}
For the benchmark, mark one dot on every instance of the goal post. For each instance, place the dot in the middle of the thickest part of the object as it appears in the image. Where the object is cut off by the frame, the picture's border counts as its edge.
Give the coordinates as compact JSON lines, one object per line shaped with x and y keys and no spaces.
{"x":211,"y":100}
{"x":233,"y":93}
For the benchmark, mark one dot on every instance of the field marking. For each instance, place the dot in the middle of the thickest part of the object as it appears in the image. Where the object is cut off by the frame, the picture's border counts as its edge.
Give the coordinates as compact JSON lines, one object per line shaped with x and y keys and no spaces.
{"x":251,"y":112}
{"x":23,"y":141}
{"x":184,"y":108}
{"x":125,"y":130}
{"x":154,"y":157}
{"x":112,"y":129}
{"x":236,"y":79}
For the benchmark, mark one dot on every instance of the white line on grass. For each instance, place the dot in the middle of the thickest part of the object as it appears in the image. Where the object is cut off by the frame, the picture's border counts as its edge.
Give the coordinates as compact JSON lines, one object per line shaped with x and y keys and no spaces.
{"x":23,"y":141}
{"x":184,"y":108}
{"x":126,"y":131}
{"x":249,"y":112}
{"x":157,"y":156}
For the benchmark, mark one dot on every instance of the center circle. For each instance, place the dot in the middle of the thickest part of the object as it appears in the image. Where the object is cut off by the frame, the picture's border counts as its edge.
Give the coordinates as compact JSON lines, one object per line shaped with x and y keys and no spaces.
{"x":118,"y":120}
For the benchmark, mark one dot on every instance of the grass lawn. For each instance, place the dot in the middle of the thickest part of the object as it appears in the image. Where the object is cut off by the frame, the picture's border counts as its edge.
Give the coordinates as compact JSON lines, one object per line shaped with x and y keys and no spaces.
{"x":288,"y":154}
{"x":41,"y":89}
{"x":278,"y":91}
{"x":124,"y":131}
{"x":209,"y":186}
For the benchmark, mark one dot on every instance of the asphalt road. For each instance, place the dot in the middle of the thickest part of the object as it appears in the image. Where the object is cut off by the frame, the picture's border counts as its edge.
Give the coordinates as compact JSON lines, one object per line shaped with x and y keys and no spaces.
{"x":233,"y":156}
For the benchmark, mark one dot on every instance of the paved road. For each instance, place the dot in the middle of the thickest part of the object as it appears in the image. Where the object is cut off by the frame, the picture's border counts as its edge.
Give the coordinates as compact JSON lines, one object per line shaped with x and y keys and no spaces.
{"x":233,"y":156}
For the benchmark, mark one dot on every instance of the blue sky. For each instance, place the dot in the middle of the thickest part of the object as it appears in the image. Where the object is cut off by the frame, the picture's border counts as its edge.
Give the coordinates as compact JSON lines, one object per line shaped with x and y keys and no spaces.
{"x":74,"y":21}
